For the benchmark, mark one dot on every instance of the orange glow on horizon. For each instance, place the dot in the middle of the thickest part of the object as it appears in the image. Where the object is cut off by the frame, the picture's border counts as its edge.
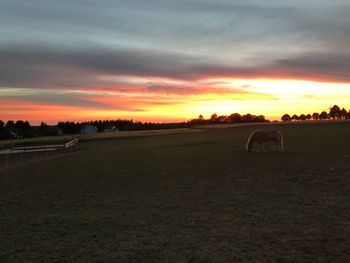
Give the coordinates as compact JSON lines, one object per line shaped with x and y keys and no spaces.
{"x":269,"y":97}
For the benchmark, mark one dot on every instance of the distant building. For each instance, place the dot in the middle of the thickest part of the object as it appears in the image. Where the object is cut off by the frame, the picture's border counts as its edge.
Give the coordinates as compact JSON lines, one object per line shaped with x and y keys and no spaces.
{"x":88,"y":129}
{"x":14,"y":135}
{"x":110,"y":128}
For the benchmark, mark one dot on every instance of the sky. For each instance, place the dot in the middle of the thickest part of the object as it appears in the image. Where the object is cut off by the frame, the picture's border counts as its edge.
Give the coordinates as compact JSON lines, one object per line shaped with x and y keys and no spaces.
{"x":166,"y":60}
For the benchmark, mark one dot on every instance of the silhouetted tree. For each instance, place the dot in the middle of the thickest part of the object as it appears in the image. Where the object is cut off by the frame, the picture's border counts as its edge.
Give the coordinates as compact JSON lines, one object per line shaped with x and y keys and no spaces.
{"x":213,"y":117}
{"x":308,"y":116}
{"x":247,"y":117}
{"x":19,"y":125}
{"x":4,"y":132}
{"x":69,"y":127}
{"x":199,"y":120}
{"x":343,"y":113}
{"x":286,"y":117}
{"x":43,"y":126}
{"x":295,"y":117}
{"x":302,"y":117}
{"x":23,"y":129}
{"x":10,"y":125}
{"x":335,"y":112}
{"x":260,"y":118}
{"x":324,"y":115}
{"x":27,"y":125}
{"x":222,"y":119}
{"x":235,"y":118}
{"x":315,"y":116}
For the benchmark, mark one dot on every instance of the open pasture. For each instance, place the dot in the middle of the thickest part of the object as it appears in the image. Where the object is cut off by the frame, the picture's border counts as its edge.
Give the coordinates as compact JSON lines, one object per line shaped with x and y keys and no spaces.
{"x":87,"y":137}
{"x":190,"y":197}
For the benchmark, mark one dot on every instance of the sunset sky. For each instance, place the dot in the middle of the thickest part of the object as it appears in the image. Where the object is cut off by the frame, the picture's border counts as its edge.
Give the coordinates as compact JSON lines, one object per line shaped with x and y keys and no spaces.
{"x":166,"y":60}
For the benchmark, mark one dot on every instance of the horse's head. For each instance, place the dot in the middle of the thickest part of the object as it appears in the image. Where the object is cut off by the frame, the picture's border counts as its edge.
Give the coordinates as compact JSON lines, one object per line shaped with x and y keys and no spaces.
{"x":249,"y":145}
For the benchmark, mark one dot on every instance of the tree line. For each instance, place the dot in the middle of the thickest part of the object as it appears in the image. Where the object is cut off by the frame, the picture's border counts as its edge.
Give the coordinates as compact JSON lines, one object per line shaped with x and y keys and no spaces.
{"x":23,"y":129}
{"x":226,"y":119}
{"x":119,"y":124}
{"x":11,"y":129}
{"x":334,"y":113}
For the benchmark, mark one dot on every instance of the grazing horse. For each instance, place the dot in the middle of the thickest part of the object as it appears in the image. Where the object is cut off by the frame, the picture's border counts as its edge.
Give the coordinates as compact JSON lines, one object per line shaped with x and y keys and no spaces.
{"x":260,"y":136}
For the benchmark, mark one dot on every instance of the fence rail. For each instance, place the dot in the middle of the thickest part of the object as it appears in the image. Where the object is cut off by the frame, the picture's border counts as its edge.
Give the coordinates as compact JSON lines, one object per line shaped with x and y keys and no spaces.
{"x":40,"y":148}
{"x":71,"y":143}
{"x":18,"y":155}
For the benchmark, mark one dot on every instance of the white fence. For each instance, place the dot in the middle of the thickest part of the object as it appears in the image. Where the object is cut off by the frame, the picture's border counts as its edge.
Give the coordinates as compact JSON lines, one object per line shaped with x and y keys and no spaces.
{"x":40,"y":148}
{"x":19,"y":155}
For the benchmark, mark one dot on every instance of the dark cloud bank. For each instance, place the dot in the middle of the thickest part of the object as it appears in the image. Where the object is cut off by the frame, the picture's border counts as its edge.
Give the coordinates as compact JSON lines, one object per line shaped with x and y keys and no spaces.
{"x":43,"y":67}
{"x":47,"y":43}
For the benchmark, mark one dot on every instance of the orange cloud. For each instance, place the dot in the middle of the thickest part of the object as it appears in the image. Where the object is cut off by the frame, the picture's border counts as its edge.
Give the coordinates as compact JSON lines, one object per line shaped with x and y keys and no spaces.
{"x":172,"y":101}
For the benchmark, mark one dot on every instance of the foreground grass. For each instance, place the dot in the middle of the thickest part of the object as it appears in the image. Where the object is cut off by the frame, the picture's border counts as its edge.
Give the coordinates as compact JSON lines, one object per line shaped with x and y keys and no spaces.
{"x":194,"y":197}
{"x":89,"y":137}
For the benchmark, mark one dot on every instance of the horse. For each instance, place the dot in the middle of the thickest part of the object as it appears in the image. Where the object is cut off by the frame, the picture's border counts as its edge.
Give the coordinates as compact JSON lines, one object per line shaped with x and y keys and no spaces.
{"x":260,"y":136}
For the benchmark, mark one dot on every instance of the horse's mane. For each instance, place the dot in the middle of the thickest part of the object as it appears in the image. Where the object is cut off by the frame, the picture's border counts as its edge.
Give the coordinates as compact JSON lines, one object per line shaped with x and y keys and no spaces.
{"x":250,"y":138}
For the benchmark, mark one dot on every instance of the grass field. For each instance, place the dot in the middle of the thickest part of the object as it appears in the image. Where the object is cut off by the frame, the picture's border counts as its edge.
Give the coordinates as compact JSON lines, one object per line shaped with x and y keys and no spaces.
{"x":190,"y":197}
{"x":42,"y":140}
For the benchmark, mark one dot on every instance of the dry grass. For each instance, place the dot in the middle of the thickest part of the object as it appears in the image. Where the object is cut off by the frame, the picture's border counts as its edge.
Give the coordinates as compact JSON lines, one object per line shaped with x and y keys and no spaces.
{"x":96,"y":136}
{"x":191,"y":197}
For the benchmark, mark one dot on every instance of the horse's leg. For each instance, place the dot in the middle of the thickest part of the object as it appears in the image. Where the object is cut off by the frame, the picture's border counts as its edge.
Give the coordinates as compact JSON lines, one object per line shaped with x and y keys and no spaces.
{"x":281,"y":143}
{"x":277,"y":145}
{"x":260,"y":146}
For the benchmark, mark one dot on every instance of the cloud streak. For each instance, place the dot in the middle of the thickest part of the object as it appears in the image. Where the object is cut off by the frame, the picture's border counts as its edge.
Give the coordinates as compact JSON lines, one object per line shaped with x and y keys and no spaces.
{"x":35,"y":67}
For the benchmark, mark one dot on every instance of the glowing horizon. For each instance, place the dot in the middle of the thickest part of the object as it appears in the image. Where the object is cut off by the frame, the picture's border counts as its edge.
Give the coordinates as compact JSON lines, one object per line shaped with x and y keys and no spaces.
{"x":269,"y":97}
